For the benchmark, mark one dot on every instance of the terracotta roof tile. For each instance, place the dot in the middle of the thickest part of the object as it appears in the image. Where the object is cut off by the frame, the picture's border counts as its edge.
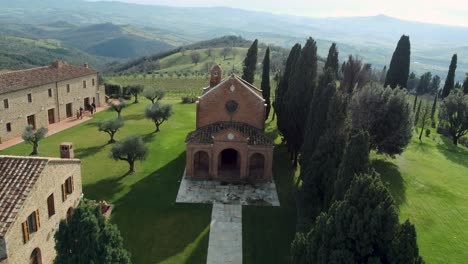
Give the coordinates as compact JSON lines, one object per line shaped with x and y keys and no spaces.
{"x":17,"y":178}
{"x":56,"y":72}
{"x":204,"y":134}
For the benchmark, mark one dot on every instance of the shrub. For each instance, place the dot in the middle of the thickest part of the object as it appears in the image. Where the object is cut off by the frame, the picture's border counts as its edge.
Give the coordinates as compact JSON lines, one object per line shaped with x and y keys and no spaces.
{"x":428,"y":132}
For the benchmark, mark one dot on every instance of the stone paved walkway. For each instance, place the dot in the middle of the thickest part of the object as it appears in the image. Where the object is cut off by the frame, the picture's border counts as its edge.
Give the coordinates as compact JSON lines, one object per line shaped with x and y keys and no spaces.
{"x":225,"y":244}
{"x":54,"y":128}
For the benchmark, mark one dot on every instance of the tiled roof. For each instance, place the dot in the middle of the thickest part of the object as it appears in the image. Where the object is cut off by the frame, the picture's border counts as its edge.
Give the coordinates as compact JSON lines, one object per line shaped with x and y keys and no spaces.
{"x":226,"y":82}
{"x":204,"y":134}
{"x":17,"y":178}
{"x":56,"y":72}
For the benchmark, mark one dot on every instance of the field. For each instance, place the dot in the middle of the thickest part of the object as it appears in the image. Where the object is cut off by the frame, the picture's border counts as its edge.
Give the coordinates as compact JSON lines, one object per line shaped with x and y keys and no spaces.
{"x":428,"y":183}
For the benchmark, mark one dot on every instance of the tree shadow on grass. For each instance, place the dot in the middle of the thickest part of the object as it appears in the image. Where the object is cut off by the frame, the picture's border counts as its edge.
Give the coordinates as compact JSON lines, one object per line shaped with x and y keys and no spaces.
{"x":153,"y":226}
{"x":391,"y":177}
{"x":104,"y":189}
{"x":147,"y":138}
{"x":457,"y":154}
{"x":82,"y":153}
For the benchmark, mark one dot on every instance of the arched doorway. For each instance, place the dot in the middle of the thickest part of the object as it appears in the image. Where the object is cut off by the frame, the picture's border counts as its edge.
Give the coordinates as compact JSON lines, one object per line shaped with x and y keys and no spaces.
{"x":229,"y":163}
{"x":257,"y":166}
{"x":201,"y":164}
{"x":36,"y":257}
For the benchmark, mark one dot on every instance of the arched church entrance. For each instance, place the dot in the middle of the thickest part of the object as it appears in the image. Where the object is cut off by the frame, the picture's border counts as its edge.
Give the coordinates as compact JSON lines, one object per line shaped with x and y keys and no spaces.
{"x":229,"y":163}
{"x":201,"y":164}
{"x":257,"y":166}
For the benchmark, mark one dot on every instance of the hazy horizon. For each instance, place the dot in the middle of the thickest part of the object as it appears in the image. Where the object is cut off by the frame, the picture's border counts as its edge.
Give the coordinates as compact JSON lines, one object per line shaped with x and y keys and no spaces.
{"x":449,"y":12}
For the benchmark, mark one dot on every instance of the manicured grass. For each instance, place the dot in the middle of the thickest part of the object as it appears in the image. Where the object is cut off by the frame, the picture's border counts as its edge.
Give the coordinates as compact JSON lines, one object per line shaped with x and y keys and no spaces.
{"x":154,"y":227}
{"x":429,"y":182}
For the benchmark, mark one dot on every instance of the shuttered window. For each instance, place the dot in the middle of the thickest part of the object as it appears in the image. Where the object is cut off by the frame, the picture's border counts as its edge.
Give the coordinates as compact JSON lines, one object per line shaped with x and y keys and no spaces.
{"x":31,"y":225}
{"x":51,"y":205}
{"x":67,"y":188}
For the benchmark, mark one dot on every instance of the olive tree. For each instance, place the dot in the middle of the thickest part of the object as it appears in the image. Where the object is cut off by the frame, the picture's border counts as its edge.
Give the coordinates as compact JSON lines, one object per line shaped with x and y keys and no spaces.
{"x":117,"y":106}
{"x":110,"y":126}
{"x":33,"y":137}
{"x":153,"y":94}
{"x":130,"y":149}
{"x":158,"y":113}
{"x":135,"y":90}
{"x":454,"y":115}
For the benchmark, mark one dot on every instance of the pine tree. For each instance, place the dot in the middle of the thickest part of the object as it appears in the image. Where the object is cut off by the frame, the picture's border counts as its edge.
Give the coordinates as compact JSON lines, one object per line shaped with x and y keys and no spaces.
{"x":250,"y":62}
{"x":266,"y":82}
{"x":398,"y":71}
{"x":281,"y":92}
{"x":300,"y":92}
{"x":332,"y":60}
{"x":450,"y":80}
{"x":88,"y":238}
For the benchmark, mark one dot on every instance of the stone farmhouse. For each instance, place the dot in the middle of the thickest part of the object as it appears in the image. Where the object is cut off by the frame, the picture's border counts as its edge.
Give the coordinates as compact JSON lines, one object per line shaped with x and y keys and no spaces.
{"x":35,"y":194}
{"x":45,"y":95}
{"x":229,"y":143}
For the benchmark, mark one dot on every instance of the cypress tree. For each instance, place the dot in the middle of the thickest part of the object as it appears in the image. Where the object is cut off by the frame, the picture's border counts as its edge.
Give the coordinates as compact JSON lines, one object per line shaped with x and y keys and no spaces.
{"x":398,"y":71}
{"x":433,"y":110}
{"x":319,"y":174}
{"x":281,"y":92}
{"x":266,"y":82}
{"x":450,"y":81}
{"x":362,"y":228}
{"x":300,"y":92}
{"x":416,"y":116}
{"x":465,"y":85}
{"x":332,"y":60}
{"x":250,"y":62}
{"x":355,"y":161}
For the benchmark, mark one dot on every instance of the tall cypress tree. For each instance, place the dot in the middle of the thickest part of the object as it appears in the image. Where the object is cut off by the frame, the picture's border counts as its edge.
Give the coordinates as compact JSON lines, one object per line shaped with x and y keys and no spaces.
{"x":266,"y":82}
{"x":300,"y":92}
{"x":450,"y":81}
{"x":281,"y":92}
{"x":332,"y":60}
{"x":398,"y":71}
{"x":355,"y":161}
{"x":319,"y":172}
{"x":465,"y":85}
{"x":433,"y":110}
{"x":250,"y":62}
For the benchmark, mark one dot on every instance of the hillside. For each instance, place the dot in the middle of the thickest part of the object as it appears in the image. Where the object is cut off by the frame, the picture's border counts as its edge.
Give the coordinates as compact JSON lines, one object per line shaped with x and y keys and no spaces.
{"x":20,"y":53}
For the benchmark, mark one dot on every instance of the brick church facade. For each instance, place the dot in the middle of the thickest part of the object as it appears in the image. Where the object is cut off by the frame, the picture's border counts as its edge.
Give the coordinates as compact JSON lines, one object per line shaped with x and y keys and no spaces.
{"x":229,"y":143}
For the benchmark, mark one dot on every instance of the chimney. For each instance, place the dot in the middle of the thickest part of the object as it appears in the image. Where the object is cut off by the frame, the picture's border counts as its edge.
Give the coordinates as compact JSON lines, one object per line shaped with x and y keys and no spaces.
{"x":57,"y":64}
{"x":216,"y":74}
{"x":86,"y":65}
{"x":66,"y":150}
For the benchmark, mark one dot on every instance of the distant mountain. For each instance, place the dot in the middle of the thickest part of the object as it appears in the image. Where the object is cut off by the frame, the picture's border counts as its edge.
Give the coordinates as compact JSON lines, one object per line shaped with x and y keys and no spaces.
{"x":21,"y":53}
{"x":373,"y":38}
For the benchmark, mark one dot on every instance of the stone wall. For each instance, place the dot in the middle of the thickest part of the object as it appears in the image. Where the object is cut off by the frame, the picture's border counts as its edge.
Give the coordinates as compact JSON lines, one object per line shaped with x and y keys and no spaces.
{"x":19,"y":107}
{"x":50,"y":181}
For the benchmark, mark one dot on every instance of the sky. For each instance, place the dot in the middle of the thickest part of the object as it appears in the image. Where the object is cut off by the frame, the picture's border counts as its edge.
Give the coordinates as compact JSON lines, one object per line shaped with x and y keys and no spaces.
{"x":449,"y":12}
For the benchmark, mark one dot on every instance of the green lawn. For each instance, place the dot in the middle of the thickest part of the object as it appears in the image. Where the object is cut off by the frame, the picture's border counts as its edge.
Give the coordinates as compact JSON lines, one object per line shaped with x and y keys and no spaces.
{"x":429,"y":182}
{"x":154,"y":227}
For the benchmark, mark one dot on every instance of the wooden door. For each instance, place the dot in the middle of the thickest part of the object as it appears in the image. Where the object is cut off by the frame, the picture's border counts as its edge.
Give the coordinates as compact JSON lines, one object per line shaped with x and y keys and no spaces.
{"x":32,"y":121}
{"x":51,"y":114}
{"x":69,"y":110}
{"x":86,"y":103}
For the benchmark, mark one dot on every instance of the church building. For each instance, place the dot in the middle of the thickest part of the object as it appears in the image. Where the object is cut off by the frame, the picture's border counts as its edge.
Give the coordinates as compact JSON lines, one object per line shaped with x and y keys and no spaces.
{"x":229,"y":143}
